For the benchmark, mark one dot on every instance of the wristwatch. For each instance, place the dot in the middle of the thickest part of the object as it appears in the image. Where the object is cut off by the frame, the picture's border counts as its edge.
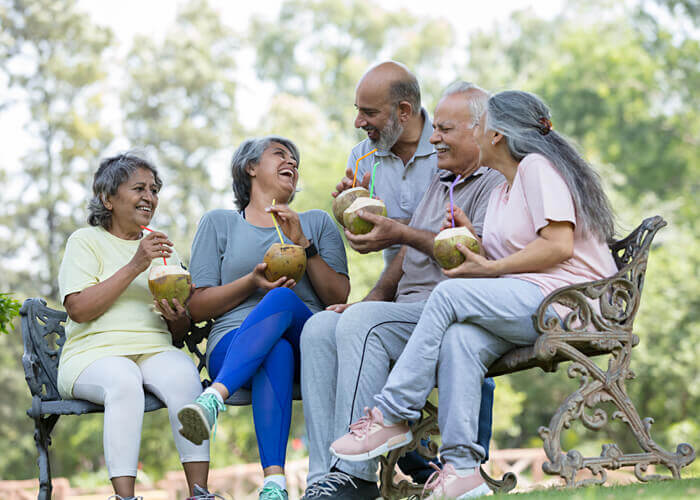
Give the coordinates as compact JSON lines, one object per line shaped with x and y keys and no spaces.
{"x":311,"y":250}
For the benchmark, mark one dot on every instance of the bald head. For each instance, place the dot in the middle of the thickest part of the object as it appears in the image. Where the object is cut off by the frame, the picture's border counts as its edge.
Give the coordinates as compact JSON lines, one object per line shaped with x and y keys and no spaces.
{"x":393,"y":82}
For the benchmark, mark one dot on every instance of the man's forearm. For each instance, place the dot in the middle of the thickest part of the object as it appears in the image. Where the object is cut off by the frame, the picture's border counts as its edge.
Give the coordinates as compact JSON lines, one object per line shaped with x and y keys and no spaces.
{"x":419,"y":239}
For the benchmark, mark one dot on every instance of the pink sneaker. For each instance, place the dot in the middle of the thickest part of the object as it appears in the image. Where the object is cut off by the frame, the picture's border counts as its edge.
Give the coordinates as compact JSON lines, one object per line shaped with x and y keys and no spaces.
{"x":370,"y":437}
{"x":446,"y":483}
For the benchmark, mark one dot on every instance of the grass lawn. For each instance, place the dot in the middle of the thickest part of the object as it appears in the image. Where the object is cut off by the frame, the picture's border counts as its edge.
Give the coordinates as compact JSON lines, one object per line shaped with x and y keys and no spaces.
{"x":685,"y":488}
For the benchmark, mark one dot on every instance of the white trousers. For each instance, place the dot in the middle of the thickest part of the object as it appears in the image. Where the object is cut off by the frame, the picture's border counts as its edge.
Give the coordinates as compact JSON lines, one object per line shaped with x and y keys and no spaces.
{"x":118,"y":382}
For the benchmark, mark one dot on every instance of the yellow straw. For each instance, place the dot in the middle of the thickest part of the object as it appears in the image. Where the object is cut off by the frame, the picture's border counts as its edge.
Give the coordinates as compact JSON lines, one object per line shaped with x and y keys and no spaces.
{"x":276,"y":226}
{"x":354,"y":180}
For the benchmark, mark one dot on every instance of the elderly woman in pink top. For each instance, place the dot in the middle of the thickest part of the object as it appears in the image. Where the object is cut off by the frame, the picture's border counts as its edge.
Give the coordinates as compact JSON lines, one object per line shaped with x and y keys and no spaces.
{"x":546,"y":227}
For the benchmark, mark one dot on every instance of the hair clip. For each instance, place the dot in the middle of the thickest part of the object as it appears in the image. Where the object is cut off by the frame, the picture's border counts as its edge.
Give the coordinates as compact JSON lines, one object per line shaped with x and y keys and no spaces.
{"x":546,"y":125}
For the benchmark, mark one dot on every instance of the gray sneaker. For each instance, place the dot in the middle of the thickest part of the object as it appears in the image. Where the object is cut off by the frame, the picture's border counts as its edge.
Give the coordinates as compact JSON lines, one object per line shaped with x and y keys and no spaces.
{"x":341,"y":486}
{"x":203,"y":494}
{"x":199,"y":418}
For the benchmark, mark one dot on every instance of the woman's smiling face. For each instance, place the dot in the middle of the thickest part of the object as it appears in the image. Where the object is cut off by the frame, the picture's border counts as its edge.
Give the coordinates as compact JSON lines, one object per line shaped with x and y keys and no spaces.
{"x":277,"y":170}
{"x":135,"y":201}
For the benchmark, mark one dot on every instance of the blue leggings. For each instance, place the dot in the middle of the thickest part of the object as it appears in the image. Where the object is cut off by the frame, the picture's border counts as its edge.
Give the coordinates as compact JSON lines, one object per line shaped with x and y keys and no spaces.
{"x":263,"y":355}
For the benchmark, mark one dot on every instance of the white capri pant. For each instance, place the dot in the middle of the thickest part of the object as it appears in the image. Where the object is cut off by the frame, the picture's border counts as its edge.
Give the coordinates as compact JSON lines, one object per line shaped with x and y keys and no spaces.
{"x":118,"y":382}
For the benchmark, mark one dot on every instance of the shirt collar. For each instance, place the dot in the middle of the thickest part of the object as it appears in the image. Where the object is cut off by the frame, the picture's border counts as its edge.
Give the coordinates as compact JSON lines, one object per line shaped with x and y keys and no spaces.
{"x":448,"y":177}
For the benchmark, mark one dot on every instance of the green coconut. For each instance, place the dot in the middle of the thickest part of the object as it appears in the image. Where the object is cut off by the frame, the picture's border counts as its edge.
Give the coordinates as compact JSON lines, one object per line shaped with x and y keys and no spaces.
{"x":284,"y":260}
{"x":170,"y":282}
{"x":357,"y":225}
{"x":345,"y":199}
{"x":445,"y":246}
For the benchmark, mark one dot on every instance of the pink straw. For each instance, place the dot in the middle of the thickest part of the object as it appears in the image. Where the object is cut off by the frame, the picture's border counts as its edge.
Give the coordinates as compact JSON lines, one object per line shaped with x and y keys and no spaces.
{"x":150,"y":231}
{"x":452,"y":203}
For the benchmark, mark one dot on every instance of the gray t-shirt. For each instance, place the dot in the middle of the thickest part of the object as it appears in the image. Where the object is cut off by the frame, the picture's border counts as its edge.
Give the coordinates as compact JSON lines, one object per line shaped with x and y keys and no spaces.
{"x":421,"y":273}
{"x":227,"y":247}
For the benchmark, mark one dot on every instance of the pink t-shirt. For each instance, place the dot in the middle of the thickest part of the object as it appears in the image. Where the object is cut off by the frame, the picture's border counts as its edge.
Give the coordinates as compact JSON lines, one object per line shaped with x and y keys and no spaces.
{"x":513,"y":218}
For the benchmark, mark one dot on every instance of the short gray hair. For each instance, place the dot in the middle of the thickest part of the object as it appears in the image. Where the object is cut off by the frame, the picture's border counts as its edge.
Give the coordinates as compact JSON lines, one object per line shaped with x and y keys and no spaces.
{"x":525,"y":123}
{"x":406,"y":89}
{"x":112,"y":173}
{"x":249,"y":153}
{"x":476,"y":101}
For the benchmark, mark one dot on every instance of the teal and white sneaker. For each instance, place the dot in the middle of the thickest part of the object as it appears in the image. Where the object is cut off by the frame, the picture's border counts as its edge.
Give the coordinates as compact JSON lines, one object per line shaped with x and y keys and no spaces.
{"x":272,"y":491}
{"x":199,"y":418}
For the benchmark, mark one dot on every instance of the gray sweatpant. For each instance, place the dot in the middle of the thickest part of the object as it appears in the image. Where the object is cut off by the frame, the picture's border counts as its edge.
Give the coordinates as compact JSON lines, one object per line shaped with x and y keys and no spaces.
{"x":466,"y":325}
{"x":369,"y":336}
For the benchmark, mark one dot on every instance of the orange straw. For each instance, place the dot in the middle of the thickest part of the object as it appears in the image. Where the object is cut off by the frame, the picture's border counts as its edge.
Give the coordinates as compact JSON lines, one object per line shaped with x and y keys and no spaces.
{"x":354,"y":180}
{"x":150,"y":231}
{"x":276,"y":226}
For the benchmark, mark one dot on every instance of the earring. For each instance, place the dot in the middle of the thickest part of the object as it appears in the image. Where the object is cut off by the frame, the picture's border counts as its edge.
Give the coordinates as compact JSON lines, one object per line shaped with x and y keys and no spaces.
{"x":493,"y":142}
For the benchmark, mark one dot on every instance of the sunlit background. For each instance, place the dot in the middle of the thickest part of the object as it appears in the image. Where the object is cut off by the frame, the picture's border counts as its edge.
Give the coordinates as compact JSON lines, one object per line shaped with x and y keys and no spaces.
{"x":187,"y":81}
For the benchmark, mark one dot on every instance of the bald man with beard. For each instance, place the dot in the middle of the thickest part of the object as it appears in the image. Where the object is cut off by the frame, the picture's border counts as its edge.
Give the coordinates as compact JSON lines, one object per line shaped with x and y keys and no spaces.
{"x":346,"y":354}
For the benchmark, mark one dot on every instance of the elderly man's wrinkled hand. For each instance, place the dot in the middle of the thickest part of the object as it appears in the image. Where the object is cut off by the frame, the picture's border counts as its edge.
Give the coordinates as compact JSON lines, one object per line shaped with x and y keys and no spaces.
{"x":346,"y":182}
{"x":385,"y":233}
{"x":474,"y":266}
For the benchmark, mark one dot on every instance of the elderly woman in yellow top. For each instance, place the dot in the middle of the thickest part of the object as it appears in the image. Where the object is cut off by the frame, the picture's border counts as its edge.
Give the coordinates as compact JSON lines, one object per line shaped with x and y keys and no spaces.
{"x":117,"y":343}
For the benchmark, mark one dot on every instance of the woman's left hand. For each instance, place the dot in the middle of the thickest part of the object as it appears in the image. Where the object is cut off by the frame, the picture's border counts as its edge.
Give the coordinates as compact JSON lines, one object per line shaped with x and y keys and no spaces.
{"x":289,"y":223}
{"x":474,"y":266}
{"x":174,"y":314}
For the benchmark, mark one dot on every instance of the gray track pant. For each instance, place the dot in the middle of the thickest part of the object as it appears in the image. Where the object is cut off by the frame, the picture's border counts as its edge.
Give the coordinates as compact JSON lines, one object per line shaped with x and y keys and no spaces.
{"x":466,"y":325}
{"x":345,"y":361}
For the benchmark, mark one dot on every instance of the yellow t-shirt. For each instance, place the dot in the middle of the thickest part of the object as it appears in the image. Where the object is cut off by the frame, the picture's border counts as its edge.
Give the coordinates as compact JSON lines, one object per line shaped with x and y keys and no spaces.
{"x":130,"y":326}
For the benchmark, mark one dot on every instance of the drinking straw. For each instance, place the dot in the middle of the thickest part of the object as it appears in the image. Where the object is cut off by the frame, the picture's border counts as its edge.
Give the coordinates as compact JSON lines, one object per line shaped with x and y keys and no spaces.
{"x":150,"y":231}
{"x":371,"y":182}
{"x":354,"y":180}
{"x":276,"y":226}
{"x":452,"y":203}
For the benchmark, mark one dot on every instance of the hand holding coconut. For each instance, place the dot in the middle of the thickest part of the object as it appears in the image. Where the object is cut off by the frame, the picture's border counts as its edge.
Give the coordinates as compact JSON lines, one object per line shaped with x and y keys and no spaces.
{"x":289,"y":223}
{"x":384,"y":233}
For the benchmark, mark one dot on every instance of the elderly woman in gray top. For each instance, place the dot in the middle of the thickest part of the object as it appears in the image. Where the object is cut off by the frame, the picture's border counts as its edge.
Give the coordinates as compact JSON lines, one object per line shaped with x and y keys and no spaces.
{"x":254,"y":342}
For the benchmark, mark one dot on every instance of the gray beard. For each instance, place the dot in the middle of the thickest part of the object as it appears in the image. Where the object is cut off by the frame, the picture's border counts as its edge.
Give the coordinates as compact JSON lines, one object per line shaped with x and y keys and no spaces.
{"x":389,"y":134}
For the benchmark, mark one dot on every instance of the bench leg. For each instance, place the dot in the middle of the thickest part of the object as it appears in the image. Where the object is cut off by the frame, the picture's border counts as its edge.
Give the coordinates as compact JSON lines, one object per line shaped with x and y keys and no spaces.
{"x":427,"y":426}
{"x":42,"y":436}
{"x":599,"y":386}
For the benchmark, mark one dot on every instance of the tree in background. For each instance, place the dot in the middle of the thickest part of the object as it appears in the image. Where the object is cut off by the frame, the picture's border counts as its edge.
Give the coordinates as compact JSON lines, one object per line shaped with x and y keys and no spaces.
{"x":180,"y":103}
{"x":54,"y":59}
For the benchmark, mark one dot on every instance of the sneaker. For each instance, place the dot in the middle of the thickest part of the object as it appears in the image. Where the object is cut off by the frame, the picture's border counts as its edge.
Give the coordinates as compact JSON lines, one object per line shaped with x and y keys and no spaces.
{"x":272,"y":491}
{"x":341,"y":486}
{"x":446,"y":483}
{"x":203,"y":494}
{"x":370,"y":437}
{"x":198,"y":418}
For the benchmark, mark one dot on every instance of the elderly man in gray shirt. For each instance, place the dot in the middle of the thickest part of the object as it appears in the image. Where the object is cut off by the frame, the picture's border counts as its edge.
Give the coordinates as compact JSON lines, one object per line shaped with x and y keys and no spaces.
{"x":346,"y":357}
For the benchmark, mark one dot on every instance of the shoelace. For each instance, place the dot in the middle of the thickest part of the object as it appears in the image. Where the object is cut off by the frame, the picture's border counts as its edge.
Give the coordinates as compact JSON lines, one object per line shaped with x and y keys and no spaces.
{"x":362,"y":426}
{"x":212,"y":404}
{"x":437,"y":479}
{"x":329,"y":484}
{"x":272,"y":493}
{"x":203,"y":494}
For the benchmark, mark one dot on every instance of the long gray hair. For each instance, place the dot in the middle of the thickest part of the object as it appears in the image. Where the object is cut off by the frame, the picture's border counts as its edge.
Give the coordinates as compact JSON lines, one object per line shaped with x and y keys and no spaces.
{"x":112,"y":173}
{"x":249,"y":153}
{"x":525,"y":122}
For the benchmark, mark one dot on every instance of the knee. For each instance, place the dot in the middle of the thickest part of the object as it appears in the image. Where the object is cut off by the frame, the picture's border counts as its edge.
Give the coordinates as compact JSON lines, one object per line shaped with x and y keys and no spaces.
{"x":281,"y":295}
{"x":281,"y":354}
{"x":125,"y":386}
{"x":354,"y":326}
{"x":319,"y":332}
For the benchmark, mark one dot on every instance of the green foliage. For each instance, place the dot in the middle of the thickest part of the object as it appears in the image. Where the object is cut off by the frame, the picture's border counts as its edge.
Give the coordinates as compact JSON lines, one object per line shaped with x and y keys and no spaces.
{"x":9,"y":308}
{"x":619,"y":81}
{"x":681,"y":490}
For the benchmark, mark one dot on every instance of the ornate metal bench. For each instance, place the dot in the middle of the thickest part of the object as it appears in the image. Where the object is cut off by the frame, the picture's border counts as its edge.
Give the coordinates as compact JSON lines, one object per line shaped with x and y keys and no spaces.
{"x":585,"y":332}
{"x":43,"y":336}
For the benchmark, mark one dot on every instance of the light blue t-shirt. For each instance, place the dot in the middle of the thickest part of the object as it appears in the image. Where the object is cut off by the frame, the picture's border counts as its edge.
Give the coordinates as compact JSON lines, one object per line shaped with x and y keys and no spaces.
{"x":227,"y":247}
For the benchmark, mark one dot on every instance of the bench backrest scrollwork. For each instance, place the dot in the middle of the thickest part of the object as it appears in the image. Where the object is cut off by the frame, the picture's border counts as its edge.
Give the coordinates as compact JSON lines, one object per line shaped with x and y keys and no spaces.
{"x":43,"y":336}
